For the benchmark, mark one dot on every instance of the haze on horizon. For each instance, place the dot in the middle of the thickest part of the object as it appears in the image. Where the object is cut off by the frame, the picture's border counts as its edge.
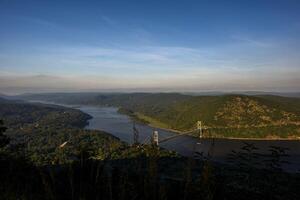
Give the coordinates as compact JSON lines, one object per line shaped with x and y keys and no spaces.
{"x":48,"y":46}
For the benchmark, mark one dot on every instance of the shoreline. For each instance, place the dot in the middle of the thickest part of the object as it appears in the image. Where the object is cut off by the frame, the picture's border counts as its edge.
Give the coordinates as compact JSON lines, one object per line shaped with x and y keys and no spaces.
{"x":136,"y":119}
{"x":229,"y":138}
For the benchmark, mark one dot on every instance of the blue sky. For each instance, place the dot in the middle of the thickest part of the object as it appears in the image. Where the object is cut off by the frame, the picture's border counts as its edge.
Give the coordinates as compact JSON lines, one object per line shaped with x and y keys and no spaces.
{"x":167,"y":45}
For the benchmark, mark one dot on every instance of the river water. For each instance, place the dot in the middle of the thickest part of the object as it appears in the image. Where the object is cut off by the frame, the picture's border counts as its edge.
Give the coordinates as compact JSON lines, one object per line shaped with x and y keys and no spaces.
{"x":121,"y":126}
{"x":109,"y":120}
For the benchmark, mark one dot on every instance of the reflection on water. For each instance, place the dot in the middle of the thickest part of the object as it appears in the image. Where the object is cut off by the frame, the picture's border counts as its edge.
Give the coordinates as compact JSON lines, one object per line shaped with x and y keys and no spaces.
{"x":109,"y":120}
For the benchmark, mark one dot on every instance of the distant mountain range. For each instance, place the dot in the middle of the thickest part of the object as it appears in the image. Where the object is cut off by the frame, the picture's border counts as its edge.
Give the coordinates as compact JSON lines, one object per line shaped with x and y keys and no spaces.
{"x":251,"y":93}
{"x":203,"y":93}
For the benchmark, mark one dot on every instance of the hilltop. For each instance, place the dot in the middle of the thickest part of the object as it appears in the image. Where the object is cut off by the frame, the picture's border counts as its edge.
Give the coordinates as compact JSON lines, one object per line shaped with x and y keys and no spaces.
{"x":235,"y":116}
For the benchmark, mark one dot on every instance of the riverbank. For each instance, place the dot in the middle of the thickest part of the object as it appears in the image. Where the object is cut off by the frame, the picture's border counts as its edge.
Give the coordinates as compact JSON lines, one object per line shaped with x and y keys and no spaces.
{"x":156,"y":124}
{"x":141,"y":118}
{"x":109,"y":120}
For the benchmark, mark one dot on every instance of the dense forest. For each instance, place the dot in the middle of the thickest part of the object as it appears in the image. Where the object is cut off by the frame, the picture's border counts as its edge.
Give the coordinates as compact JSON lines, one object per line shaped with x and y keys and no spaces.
{"x":48,"y":134}
{"x":236,"y":116}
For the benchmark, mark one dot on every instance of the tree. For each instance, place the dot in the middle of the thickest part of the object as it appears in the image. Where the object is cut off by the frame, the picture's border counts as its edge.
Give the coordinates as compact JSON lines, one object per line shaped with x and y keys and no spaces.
{"x":3,"y":138}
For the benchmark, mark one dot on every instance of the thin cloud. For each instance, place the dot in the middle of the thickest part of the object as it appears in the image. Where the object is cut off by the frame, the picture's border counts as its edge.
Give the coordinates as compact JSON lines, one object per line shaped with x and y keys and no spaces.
{"x":109,"y":21}
{"x":251,"y":41}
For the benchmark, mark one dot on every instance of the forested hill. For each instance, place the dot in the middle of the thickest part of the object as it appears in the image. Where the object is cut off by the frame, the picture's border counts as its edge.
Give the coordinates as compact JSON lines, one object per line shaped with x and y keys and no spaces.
{"x":240,"y":116}
{"x":17,"y":114}
{"x":50,"y":134}
{"x":48,"y":157}
{"x":235,"y":115}
{"x":107,"y":98}
{"x":36,"y":132}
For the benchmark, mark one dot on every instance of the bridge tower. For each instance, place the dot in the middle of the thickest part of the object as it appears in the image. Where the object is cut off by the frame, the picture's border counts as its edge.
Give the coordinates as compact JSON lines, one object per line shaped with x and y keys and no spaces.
{"x":155,"y":138}
{"x":199,"y":127}
{"x":135,"y":134}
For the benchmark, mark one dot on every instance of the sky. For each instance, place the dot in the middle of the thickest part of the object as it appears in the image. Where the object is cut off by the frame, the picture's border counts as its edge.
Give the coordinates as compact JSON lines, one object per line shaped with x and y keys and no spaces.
{"x":164,"y":45}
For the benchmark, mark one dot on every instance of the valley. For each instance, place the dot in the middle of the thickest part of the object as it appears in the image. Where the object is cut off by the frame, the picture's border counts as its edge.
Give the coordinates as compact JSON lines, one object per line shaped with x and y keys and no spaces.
{"x":63,"y":151}
{"x":224,"y":116}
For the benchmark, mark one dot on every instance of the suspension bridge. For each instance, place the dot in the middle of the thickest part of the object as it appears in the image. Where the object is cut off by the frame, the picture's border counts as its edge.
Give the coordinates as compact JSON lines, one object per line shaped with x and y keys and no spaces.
{"x":154,"y":138}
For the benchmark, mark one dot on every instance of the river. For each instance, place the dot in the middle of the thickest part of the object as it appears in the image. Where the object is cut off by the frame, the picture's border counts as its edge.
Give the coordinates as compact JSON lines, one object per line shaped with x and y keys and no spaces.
{"x":121,"y":126}
{"x":109,"y":120}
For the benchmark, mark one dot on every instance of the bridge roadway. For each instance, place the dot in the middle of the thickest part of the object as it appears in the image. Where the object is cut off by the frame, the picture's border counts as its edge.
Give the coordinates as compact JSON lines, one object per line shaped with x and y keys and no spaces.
{"x":178,"y":135}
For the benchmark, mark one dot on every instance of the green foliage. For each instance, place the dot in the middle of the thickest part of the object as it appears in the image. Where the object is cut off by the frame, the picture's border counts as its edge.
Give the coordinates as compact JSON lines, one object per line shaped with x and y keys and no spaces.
{"x":3,"y":138}
{"x":46,"y":134}
{"x":19,"y":115}
{"x":59,"y":160}
{"x":43,"y":147}
{"x":38,"y":132}
{"x":237,"y":116}
{"x":223,"y":116}
{"x":145,"y":178}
